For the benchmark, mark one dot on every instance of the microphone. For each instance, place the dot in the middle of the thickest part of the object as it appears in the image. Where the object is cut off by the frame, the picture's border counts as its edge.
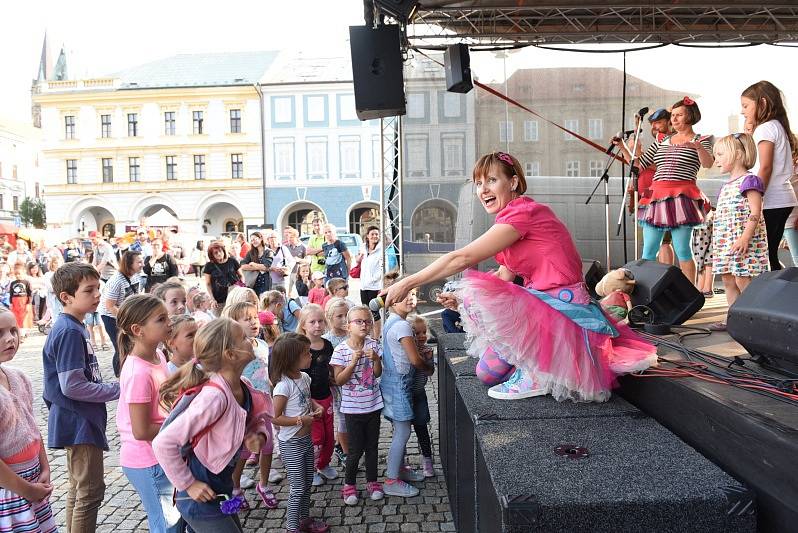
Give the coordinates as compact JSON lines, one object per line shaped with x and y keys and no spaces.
{"x":376,"y":304}
{"x":617,"y":138}
{"x":642,"y":112}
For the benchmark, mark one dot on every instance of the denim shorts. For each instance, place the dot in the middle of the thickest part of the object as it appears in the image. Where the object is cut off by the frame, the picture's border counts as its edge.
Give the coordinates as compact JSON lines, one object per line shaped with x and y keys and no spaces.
{"x":92,"y":319}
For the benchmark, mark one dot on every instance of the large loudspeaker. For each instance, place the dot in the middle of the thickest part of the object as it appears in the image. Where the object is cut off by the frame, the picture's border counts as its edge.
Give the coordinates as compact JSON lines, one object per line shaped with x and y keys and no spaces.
{"x":457,"y":63}
{"x":377,"y":71}
{"x":764,"y":319}
{"x":665,"y":290}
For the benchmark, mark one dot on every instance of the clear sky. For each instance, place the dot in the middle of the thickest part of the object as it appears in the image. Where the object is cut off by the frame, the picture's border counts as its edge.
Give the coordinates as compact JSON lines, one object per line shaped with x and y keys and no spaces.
{"x":104,"y":37}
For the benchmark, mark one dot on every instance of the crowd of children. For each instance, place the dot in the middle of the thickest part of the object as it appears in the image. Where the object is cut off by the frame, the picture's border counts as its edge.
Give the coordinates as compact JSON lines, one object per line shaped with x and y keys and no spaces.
{"x":202,"y":398}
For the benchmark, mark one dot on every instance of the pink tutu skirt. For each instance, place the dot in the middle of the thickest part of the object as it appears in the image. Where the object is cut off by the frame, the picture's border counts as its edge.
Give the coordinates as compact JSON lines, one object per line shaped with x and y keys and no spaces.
{"x":568,"y":360}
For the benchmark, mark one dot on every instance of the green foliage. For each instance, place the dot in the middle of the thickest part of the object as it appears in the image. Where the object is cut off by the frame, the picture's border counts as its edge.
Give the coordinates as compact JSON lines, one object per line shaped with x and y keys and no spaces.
{"x":32,"y":213}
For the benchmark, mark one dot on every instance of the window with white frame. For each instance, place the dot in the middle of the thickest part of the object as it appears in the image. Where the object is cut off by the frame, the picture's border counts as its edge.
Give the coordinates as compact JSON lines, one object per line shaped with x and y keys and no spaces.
{"x":198,"y":122}
{"x":132,"y":124}
{"x":108,"y":170}
{"x":532,"y":169}
{"x":283,"y":109}
{"x":595,"y":128}
{"x":235,"y":121}
{"x":348,"y":111}
{"x":315,"y":108}
{"x":417,"y":155}
{"x":596,"y":168}
{"x":72,"y":170}
{"x":453,"y":148}
{"x":416,"y":105}
{"x":237,"y":166}
{"x":573,"y":125}
{"x":317,"y":157}
{"x":69,"y":127}
{"x":199,"y":167}
{"x":531,"y":133}
{"x":169,"y":123}
{"x":505,"y":131}
{"x":572,"y":169}
{"x":134,"y":168}
{"x":284,"y":159}
{"x":171,"y":167}
{"x":105,"y":126}
{"x":350,"y":156}
{"x":451,"y":105}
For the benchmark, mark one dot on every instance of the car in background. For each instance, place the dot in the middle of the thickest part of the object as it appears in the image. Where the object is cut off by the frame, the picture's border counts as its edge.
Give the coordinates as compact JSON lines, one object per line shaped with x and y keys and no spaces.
{"x":353,"y":242}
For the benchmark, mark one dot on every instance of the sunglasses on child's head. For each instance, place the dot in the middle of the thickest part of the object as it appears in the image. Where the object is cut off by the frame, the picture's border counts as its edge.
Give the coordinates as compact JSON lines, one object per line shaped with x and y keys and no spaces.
{"x":361,"y":322}
{"x":343,"y":287}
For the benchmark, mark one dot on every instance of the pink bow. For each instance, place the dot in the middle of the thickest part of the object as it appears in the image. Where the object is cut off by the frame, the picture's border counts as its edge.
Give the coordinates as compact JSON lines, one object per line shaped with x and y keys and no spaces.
{"x":688,"y":101}
{"x":505,"y":158}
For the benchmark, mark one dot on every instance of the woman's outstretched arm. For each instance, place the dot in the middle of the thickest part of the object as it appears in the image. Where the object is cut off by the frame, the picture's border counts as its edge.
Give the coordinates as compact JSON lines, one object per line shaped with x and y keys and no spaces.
{"x":493,"y":241}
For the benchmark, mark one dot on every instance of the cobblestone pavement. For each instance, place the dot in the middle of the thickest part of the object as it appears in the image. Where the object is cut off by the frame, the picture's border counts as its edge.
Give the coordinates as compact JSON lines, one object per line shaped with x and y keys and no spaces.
{"x":122,"y":511}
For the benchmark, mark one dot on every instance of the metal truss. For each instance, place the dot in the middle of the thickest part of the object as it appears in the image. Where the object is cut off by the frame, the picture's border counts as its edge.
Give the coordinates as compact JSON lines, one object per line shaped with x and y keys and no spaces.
{"x":487,"y":23}
{"x":391,"y":188}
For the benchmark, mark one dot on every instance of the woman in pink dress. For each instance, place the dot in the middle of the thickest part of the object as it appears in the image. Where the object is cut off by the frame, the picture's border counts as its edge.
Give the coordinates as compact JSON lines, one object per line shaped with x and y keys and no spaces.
{"x":547,"y":336}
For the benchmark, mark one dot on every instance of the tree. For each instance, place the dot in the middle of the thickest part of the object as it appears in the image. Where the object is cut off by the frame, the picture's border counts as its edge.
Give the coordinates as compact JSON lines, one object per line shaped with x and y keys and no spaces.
{"x":32,"y":213}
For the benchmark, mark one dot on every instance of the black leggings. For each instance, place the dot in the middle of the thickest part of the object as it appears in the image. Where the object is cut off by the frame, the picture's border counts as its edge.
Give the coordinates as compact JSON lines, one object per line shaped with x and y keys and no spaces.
{"x":424,"y":442}
{"x":365,"y":297}
{"x":774,"y":224}
{"x":364,"y":436}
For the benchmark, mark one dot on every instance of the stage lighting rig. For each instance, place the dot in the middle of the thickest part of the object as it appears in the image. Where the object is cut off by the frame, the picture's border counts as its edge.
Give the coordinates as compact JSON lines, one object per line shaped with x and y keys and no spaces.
{"x":402,"y":11}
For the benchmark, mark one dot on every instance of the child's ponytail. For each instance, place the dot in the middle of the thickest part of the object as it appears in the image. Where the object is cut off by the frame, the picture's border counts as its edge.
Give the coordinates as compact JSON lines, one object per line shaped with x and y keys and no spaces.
{"x":135,"y":310}
{"x":211,"y":344}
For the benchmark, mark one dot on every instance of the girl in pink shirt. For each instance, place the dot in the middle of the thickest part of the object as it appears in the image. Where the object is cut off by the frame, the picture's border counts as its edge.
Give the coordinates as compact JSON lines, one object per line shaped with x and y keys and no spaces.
{"x":143,"y":324}
{"x":199,"y":448}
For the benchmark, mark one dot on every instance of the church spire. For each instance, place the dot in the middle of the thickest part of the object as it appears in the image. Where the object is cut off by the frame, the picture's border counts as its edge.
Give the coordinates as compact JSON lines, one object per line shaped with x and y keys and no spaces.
{"x":45,"y":64}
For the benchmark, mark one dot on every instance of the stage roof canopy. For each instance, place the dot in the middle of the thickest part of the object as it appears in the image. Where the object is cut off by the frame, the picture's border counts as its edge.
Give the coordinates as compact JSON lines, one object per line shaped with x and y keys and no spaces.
{"x":518,"y":22}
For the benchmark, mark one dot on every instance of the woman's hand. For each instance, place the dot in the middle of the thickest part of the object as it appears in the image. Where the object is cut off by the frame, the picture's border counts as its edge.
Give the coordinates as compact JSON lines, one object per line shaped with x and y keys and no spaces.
{"x":448,"y":300}
{"x":396,"y":292}
{"x":740,"y":247}
{"x":201,"y":492}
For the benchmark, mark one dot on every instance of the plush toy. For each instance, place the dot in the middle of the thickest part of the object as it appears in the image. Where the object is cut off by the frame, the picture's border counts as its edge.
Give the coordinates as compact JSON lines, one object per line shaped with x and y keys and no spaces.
{"x":615,"y":288}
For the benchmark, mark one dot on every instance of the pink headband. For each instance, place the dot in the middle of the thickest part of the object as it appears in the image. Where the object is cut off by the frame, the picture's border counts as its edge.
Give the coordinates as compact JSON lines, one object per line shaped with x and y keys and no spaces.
{"x":505,"y":158}
{"x":688,"y":101}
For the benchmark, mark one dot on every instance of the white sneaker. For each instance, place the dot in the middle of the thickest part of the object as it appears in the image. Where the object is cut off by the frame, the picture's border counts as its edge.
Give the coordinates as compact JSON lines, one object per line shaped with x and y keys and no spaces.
{"x":519,"y":386}
{"x":246,"y":482}
{"x":318,"y":480}
{"x":275,"y":476}
{"x":399,"y":488}
{"x":328,"y":472}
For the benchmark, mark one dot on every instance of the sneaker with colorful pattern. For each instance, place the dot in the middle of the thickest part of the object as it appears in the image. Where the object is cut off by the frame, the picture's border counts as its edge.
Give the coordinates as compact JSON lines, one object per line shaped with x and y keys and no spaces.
{"x":267,"y":496}
{"x":519,"y":386}
{"x":349,"y":494}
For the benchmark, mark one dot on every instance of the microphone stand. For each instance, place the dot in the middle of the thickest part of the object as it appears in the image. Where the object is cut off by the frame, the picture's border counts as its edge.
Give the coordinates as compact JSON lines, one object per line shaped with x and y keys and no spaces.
{"x":633,"y":172}
{"x":605,"y":178}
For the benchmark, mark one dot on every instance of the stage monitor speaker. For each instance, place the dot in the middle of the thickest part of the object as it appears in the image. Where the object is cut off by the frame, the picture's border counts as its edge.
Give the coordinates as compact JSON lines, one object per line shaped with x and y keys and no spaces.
{"x":457,"y":64}
{"x":665,"y":290}
{"x":764,"y":319}
{"x":592,"y":272}
{"x":377,"y":71}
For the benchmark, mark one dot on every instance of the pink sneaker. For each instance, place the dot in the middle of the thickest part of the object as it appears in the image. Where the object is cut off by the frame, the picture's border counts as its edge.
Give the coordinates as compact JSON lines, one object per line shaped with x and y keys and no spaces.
{"x":309,"y":525}
{"x":429,"y":469}
{"x":267,"y":496}
{"x":374,"y":489}
{"x":349,"y":494}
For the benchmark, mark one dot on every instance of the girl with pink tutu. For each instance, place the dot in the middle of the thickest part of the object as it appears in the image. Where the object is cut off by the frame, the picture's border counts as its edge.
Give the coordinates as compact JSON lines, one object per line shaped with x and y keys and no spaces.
{"x":547,"y":336}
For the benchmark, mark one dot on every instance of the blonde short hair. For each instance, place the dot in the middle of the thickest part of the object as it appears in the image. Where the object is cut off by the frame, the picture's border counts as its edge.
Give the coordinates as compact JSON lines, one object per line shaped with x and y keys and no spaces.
{"x":742,"y":146}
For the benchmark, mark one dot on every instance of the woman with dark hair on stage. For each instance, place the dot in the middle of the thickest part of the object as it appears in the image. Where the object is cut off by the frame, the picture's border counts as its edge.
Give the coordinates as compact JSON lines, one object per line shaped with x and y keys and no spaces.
{"x":547,"y":336}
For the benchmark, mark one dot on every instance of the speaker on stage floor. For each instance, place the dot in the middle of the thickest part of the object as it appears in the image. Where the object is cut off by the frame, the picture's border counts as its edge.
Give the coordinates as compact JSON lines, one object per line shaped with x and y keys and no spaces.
{"x":764,"y":319}
{"x":457,"y":64}
{"x":377,"y":71}
{"x":665,"y":290}
{"x":592,"y":272}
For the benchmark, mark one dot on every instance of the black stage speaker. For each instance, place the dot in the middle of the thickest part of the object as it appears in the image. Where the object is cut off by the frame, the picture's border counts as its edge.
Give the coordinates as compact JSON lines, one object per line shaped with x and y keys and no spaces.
{"x":764,"y":319}
{"x":592,"y":272}
{"x":457,"y":63}
{"x":665,"y":290}
{"x":377,"y":71}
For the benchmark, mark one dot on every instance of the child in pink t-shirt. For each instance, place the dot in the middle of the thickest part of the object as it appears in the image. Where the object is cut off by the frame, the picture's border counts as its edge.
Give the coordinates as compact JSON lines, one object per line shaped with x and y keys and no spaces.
{"x":143,"y":324}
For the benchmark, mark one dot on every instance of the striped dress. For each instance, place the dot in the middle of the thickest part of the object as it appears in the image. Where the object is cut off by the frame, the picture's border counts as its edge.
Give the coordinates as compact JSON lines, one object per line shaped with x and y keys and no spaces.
{"x":16,"y":411}
{"x":675,"y":198}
